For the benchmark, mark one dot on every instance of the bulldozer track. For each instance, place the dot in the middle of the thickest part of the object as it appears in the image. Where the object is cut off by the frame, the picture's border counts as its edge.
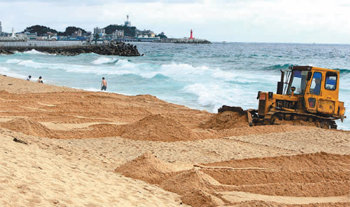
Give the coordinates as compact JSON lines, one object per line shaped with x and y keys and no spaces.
{"x":320,"y":121}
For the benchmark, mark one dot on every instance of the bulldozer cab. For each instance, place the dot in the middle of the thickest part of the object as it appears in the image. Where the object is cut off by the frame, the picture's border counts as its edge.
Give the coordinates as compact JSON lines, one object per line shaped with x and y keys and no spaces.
{"x":297,"y":82}
{"x":316,"y":88}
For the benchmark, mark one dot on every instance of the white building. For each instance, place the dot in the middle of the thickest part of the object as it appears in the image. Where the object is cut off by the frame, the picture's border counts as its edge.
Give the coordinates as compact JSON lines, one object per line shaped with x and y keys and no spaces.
{"x":13,"y":33}
{"x":99,"y":31}
{"x":79,"y":33}
{"x":119,"y":33}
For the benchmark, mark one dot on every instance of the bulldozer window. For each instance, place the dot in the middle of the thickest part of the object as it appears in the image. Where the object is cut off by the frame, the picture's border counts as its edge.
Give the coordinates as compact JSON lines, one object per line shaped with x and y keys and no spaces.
{"x":299,"y":82}
{"x":316,"y":84}
{"x":331,"y":81}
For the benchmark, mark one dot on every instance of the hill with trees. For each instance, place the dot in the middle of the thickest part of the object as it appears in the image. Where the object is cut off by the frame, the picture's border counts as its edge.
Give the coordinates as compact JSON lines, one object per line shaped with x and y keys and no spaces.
{"x":39,"y":30}
{"x":128,"y":31}
{"x":71,"y":30}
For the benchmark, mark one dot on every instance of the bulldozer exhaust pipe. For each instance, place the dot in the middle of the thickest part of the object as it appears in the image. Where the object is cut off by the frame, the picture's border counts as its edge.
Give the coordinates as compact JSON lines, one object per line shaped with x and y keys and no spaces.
{"x":280,"y":84}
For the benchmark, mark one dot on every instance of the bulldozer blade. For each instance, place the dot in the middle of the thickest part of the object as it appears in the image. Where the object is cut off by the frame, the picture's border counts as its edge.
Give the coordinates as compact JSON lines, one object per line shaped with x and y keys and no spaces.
{"x":231,"y":108}
{"x":250,"y":118}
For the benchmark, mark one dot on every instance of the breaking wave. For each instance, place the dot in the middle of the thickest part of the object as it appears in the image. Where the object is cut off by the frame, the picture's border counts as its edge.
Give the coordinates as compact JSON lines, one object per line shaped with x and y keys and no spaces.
{"x":343,"y":70}
{"x":33,"y":52}
{"x":278,"y":67}
{"x":104,"y":60}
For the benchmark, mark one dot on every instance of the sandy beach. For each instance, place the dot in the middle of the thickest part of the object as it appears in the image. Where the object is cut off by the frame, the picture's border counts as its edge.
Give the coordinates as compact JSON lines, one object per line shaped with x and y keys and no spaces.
{"x":68,"y":147}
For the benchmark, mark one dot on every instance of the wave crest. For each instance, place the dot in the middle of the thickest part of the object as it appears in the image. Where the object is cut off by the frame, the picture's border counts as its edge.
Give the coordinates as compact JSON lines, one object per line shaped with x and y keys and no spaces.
{"x":104,"y":60}
{"x":278,"y":67}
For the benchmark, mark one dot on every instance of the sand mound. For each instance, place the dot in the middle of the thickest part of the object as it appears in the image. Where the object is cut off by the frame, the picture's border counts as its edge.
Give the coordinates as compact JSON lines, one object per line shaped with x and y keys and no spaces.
{"x":194,"y":188}
{"x":201,"y":199}
{"x":309,"y":175}
{"x":226,"y":120}
{"x":27,"y":126}
{"x":157,"y":128}
{"x":188,"y":181}
{"x":147,"y":167}
{"x":305,"y":162}
{"x":193,"y":185}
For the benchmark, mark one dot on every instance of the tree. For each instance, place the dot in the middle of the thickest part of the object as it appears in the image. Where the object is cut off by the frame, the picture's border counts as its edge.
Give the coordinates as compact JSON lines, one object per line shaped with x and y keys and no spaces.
{"x":162,"y":35}
{"x":71,"y":30}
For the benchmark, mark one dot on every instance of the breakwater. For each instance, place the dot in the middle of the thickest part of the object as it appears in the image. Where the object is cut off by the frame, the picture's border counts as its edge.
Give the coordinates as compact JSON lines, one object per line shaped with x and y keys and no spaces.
{"x":184,"y":41}
{"x":111,"y":48}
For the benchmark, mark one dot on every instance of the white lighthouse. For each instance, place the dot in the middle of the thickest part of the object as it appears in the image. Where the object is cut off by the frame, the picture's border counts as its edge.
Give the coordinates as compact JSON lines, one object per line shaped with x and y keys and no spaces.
{"x":13,"y":32}
{"x":127,"y":22}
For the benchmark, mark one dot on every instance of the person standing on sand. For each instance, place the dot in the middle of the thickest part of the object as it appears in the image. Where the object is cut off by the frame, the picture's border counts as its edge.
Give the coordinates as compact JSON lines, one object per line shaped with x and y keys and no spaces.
{"x":103,"y":84}
{"x":40,"y":80}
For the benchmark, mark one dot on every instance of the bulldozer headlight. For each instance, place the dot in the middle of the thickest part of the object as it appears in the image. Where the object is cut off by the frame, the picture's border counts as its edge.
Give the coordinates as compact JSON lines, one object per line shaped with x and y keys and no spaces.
{"x":262,"y":96}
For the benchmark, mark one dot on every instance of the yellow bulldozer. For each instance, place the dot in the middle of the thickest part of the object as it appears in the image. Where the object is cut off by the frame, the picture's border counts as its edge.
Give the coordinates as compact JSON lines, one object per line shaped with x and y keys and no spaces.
{"x":304,"y":93}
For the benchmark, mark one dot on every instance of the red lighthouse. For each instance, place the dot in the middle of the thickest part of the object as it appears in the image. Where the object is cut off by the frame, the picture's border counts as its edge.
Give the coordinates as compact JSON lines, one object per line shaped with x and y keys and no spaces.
{"x":191,"y":36}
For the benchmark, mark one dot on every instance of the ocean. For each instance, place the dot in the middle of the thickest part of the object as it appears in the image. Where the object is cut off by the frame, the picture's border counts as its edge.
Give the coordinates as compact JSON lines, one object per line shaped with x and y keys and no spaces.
{"x":202,"y":77}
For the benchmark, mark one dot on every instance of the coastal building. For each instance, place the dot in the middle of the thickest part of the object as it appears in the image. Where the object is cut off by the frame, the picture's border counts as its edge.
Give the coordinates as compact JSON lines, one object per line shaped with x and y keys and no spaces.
{"x":145,"y":33}
{"x":13,"y":33}
{"x":13,"y":37}
{"x":31,"y":36}
{"x":79,"y":33}
{"x":118,"y":34}
{"x":99,"y":31}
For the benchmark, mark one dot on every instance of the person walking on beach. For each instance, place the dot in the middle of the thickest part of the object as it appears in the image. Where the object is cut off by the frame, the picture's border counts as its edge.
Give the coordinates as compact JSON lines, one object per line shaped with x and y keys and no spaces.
{"x":40,"y":80}
{"x":103,"y":84}
{"x":29,"y":77}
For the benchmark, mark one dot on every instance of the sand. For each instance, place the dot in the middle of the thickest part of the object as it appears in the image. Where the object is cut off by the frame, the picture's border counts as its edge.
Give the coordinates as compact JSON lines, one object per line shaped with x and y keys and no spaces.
{"x":101,"y":149}
{"x":299,"y":179}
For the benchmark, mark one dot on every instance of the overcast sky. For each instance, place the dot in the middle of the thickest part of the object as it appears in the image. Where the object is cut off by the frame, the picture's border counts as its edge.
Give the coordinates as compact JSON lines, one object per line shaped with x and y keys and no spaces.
{"x":304,"y":21}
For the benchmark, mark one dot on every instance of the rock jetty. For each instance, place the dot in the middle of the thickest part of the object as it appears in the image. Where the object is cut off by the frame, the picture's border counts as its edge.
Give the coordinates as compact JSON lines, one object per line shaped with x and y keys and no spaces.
{"x":112,"y":48}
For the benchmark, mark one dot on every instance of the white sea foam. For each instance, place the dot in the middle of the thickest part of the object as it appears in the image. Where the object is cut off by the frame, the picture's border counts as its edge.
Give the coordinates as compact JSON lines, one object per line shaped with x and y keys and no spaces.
{"x":214,"y":95}
{"x":13,"y":61}
{"x":32,"y":64}
{"x":175,"y":71}
{"x":8,"y":72}
{"x":3,"y":69}
{"x":104,"y":60}
{"x":34,"y":52}
{"x":92,"y":89}
{"x":28,"y":63}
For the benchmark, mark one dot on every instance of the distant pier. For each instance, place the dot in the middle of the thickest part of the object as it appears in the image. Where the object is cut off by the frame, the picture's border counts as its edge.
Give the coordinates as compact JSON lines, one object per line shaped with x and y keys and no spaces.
{"x":190,"y":40}
{"x":184,"y":41}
